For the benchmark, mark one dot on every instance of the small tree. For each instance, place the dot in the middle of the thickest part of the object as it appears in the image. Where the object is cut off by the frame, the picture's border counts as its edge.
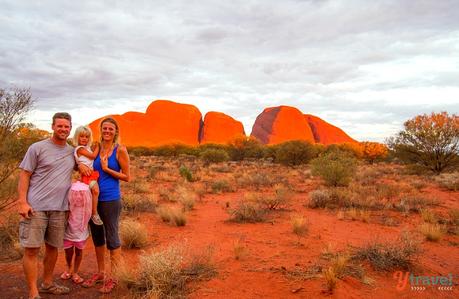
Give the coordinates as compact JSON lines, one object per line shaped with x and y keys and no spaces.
{"x":15,"y":137}
{"x":373,"y":151}
{"x":430,"y":141}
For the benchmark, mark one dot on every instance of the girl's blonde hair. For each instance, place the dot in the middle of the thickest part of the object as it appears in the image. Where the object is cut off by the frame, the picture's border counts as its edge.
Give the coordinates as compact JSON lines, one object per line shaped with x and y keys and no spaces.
{"x":82,"y":130}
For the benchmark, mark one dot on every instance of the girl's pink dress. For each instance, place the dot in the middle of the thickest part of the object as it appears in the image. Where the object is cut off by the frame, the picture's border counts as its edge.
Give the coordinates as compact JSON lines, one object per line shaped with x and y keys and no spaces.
{"x":80,"y":205}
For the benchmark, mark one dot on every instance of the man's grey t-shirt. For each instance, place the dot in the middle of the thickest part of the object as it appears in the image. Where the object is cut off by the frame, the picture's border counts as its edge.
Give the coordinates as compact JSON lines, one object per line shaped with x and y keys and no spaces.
{"x":51,"y":166}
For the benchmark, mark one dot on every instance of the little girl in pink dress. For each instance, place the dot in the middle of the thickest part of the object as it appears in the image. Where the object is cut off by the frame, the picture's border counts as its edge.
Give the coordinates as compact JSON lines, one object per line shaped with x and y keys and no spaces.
{"x":76,"y":233}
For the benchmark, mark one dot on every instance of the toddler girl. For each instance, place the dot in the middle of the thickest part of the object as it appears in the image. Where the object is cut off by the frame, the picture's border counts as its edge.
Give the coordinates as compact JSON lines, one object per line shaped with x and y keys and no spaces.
{"x":86,"y":155}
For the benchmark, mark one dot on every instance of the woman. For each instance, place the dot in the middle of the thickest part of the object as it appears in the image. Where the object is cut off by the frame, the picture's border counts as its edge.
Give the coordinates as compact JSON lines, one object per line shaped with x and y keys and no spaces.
{"x":113,"y":166}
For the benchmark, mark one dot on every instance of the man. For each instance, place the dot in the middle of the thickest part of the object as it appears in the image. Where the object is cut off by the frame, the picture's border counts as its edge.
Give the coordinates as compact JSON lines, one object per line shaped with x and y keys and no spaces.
{"x":44,"y":183}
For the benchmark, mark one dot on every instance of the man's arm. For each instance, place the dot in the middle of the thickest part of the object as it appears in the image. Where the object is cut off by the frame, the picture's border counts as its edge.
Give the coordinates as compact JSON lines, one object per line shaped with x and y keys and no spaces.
{"x":24,"y":209}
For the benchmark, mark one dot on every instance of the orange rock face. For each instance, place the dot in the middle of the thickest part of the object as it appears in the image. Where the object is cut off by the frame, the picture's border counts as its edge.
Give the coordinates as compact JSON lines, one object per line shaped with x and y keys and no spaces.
{"x":164,"y":122}
{"x":279,"y":124}
{"x":326,"y":133}
{"x":167,"y":122}
{"x":220,"y":128}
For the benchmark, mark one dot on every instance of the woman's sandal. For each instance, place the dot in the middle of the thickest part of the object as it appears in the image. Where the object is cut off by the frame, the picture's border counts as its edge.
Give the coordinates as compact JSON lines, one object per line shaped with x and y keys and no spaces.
{"x":108,"y":286}
{"x":54,"y":289}
{"x":77,"y":278}
{"x":65,"y":275}
{"x":95,"y":279}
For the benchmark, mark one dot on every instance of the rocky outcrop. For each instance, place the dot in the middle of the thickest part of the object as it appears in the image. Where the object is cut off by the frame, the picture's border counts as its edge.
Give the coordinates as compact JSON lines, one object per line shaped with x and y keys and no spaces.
{"x":325,"y":132}
{"x":164,"y":122}
{"x":220,"y":128}
{"x":280,"y":124}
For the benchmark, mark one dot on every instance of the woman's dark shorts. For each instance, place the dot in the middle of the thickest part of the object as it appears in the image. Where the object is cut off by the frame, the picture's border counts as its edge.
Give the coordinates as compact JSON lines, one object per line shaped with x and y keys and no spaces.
{"x":108,"y":233}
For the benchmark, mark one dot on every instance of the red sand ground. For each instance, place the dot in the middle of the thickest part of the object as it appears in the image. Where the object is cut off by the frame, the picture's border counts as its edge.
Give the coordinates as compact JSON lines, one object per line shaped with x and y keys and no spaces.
{"x":272,"y":251}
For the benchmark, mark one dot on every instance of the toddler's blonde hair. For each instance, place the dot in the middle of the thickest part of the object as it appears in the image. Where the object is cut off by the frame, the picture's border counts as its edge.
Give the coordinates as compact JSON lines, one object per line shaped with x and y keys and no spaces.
{"x":82,"y":130}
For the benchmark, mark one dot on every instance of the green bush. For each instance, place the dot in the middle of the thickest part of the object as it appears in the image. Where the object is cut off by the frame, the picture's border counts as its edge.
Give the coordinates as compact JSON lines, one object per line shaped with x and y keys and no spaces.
{"x":243,"y":148}
{"x":185,"y":172}
{"x":214,"y":155}
{"x":336,"y":168}
{"x":221,"y":186}
{"x":294,"y":152}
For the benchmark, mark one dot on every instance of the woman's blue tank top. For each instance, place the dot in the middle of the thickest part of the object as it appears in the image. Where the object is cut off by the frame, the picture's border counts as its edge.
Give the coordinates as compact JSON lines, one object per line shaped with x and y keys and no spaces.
{"x":109,"y":186}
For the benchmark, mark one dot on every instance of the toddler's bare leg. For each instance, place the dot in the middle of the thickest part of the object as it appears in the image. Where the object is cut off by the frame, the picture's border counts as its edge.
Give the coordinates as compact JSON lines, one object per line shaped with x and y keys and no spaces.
{"x":95,"y":198}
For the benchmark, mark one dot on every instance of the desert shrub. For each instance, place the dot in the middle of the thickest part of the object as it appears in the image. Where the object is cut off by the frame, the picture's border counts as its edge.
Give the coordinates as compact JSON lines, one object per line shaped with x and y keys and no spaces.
{"x":256,"y":180}
{"x":295,"y":152}
{"x":140,"y":202}
{"x":279,"y":199}
{"x":336,"y":168}
{"x":9,"y":237}
{"x":186,"y":173}
{"x":200,"y":265}
{"x":319,"y":198}
{"x":138,"y":186}
{"x":175,"y":150}
{"x":248,"y":211}
{"x":164,"y":274}
{"x":160,"y":274}
{"x":432,"y":232}
{"x":413,"y":203}
{"x":133,"y":234}
{"x":430,"y":142}
{"x":243,"y":148}
{"x":220,"y":186}
{"x":449,"y":181}
{"x":139,"y":151}
{"x":373,"y":151}
{"x":214,"y":155}
{"x":389,"y":256}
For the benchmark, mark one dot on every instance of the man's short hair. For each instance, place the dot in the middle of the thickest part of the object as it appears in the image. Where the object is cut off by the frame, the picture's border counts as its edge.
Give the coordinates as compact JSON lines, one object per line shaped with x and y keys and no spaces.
{"x":62,"y":115}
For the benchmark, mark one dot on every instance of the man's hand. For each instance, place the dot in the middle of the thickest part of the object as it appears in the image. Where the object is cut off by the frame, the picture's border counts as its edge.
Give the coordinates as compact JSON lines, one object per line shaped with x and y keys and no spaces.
{"x":84,"y":170}
{"x":25,"y":210}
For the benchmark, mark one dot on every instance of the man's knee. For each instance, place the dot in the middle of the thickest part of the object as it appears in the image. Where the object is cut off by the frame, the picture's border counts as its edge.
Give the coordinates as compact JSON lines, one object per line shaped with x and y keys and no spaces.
{"x":31,"y":252}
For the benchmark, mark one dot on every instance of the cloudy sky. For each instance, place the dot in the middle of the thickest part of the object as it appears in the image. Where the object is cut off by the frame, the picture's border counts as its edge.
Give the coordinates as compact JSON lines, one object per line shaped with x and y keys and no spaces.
{"x":365,"y":66}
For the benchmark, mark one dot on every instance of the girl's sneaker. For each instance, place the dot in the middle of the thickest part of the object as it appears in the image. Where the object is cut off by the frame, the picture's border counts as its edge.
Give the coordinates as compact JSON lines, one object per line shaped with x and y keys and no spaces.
{"x":96,"y":219}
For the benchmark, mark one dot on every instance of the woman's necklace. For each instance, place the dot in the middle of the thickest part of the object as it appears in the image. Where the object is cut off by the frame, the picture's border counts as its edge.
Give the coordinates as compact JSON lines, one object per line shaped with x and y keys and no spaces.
{"x":105,"y":152}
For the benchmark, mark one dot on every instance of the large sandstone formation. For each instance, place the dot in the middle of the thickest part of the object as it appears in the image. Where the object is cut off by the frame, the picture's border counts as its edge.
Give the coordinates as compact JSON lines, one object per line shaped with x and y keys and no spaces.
{"x":164,"y":122}
{"x":326,"y":133}
{"x":220,"y":128}
{"x":280,"y":124}
{"x":167,"y":122}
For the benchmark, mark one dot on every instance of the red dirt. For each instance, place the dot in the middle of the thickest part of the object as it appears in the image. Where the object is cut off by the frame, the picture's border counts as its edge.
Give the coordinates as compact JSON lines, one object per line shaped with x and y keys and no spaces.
{"x":273,"y":250}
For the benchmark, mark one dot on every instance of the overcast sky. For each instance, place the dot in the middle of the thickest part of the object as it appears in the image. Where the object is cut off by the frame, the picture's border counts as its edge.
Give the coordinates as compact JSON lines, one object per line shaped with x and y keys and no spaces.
{"x":365,"y":66}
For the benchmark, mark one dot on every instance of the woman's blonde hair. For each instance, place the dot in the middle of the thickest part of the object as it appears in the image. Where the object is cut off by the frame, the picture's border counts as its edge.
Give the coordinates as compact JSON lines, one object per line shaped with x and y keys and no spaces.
{"x":82,"y":130}
{"x":116,"y":138}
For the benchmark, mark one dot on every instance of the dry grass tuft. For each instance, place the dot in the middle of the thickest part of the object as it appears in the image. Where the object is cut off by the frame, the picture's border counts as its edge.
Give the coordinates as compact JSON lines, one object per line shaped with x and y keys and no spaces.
{"x":133,"y":234}
{"x":300,"y":227}
{"x":140,"y":202}
{"x":432,"y":232}
{"x":164,"y":274}
{"x":172,"y":215}
{"x":239,"y":249}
